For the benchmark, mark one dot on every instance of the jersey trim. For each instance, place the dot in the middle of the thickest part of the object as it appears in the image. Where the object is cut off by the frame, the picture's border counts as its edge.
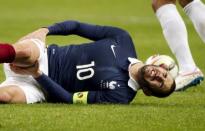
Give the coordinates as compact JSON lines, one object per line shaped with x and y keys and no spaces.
{"x":131,"y":82}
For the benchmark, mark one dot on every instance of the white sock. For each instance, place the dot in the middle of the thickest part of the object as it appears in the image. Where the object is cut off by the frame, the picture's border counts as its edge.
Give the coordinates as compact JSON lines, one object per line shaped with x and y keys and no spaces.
{"x":175,"y":34}
{"x":196,"y":12}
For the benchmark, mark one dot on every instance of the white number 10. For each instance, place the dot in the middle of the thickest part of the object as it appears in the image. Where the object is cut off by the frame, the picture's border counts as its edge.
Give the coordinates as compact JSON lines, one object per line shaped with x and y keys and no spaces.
{"x":85,"y":69}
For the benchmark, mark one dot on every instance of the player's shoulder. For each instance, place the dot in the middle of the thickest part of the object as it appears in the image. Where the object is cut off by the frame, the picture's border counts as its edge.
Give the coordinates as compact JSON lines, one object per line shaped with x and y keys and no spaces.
{"x":125,"y":33}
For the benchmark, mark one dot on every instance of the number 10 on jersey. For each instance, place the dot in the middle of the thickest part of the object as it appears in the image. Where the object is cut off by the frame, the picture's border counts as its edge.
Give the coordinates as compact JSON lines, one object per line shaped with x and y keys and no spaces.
{"x":85,"y":69}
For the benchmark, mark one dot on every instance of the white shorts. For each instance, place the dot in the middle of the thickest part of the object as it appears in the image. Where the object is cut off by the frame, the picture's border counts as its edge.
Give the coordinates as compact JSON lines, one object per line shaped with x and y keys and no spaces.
{"x":26,"y":83}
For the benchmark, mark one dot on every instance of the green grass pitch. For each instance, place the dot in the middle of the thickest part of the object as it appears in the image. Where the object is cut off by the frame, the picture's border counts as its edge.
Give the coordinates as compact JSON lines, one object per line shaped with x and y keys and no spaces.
{"x":181,"y":111}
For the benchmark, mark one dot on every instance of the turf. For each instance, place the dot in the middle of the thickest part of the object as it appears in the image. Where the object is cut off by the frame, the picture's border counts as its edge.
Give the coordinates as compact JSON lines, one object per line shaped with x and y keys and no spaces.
{"x":181,"y":111}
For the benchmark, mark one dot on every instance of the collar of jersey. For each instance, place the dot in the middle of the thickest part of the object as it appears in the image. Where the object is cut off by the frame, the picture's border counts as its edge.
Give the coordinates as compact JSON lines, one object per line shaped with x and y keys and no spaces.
{"x":132,"y":83}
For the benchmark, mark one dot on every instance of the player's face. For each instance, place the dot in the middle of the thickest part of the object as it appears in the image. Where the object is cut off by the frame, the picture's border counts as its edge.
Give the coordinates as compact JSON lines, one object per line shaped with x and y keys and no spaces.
{"x":158,"y":77}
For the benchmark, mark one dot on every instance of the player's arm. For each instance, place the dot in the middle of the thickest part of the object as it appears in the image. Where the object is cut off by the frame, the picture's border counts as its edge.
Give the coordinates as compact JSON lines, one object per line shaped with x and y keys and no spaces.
{"x":54,"y":90}
{"x":59,"y":94}
{"x":92,"y":32}
{"x":51,"y":87}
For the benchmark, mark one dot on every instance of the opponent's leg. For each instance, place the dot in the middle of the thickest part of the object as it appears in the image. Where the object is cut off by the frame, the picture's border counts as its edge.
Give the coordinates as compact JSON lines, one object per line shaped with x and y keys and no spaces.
{"x":156,"y":4}
{"x":23,"y":53}
{"x":7,"y":53}
{"x":195,"y":9}
{"x":12,"y":94}
{"x":175,"y":34}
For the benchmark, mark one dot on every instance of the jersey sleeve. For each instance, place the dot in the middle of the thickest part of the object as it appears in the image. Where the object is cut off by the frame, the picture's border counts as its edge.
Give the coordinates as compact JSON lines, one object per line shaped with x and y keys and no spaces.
{"x":59,"y":94}
{"x":54,"y":90}
{"x":92,"y":32}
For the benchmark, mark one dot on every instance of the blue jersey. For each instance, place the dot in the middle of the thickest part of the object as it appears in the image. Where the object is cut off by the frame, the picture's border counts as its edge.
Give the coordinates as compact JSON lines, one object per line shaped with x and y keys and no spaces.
{"x":95,"y":72}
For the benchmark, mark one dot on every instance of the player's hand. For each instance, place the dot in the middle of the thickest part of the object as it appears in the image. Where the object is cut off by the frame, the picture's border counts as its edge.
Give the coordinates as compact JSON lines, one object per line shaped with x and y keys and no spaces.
{"x":38,"y":34}
{"x":31,"y":70}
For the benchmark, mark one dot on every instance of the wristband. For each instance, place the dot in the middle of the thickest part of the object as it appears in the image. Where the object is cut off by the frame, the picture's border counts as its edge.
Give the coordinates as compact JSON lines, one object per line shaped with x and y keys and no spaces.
{"x":80,"y":97}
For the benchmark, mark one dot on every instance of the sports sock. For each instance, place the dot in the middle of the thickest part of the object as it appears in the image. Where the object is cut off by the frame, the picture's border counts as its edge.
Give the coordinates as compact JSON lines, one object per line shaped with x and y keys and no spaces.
{"x":196,"y":12}
{"x":175,"y":33}
{"x":7,"y":53}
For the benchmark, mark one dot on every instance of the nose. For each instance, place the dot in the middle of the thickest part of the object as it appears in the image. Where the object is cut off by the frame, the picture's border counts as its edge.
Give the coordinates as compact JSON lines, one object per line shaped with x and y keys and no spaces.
{"x":160,"y":76}
{"x":149,"y":71}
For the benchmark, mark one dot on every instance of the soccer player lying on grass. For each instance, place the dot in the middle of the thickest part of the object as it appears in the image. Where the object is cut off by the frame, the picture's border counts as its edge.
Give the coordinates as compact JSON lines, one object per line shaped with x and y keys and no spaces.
{"x":103,"y":71}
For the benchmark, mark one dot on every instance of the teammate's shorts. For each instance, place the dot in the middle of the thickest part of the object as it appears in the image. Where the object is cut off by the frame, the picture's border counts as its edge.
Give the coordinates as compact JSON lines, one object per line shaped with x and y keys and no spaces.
{"x":26,"y":83}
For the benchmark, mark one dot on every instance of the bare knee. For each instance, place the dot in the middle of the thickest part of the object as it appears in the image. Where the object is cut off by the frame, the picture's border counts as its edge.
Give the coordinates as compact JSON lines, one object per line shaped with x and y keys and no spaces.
{"x":156,"y":4}
{"x":12,"y":94}
{"x":27,"y":53}
{"x":183,"y":3}
{"x":22,"y":52}
{"x":5,"y":97}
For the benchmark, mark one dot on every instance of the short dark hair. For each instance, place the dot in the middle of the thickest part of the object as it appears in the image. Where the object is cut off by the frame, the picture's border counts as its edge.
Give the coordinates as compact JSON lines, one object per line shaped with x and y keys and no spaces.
{"x":144,"y":83}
